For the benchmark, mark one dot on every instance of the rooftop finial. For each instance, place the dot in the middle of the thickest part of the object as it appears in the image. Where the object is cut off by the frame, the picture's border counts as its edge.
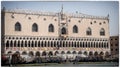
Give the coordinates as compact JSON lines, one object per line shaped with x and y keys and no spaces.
{"x":62,"y":9}
{"x":108,"y":16}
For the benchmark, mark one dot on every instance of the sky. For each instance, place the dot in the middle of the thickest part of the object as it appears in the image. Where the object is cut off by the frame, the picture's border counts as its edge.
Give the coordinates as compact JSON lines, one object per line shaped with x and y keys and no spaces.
{"x":97,"y":8}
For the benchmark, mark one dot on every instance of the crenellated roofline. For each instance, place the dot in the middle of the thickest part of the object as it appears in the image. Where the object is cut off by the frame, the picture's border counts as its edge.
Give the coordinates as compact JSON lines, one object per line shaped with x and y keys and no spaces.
{"x":70,"y":15}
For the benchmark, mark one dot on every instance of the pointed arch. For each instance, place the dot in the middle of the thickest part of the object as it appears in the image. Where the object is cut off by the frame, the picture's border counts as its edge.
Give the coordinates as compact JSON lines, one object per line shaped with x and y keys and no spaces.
{"x":22,"y":43}
{"x":83,"y":44}
{"x":51,"y":43}
{"x":35,"y":43}
{"x":17,"y":52}
{"x":48,"y":44}
{"x":51,"y":28}
{"x":34,"y":27}
{"x":31,"y":53}
{"x":38,"y":43}
{"x":86,"y":44}
{"x":54,"y":43}
{"x":7,"y":43}
{"x":29,"y":44}
{"x":62,"y":52}
{"x":17,"y":26}
{"x":89,"y":44}
{"x":25,"y":43}
{"x":101,"y":53}
{"x":96,"y":54}
{"x":18,"y":43}
{"x":80,"y":44}
{"x":37,"y":53}
{"x":89,"y":31}
{"x":11,"y":43}
{"x":90,"y":53}
{"x":80,"y":52}
{"x":68,"y":52}
{"x":77,"y":44}
{"x":63,"y":43}
{"x":15,"y":43}
{"x":102,"y":32}
{"x":41,"y":43}
{"x":75,"y":29}
{"x":50,"y":53}
{"x":106,"y":54}
{"x":32,"y":44}
{"x":44,"y":53}
{"x":63,"y":30}
{"x":56,"y":52}
{"x":74,"y":52}
{"x":85,"y":53}
{"x":99,"y":44}
{"x":96,"y":44}
{"x":9,"y":52}
{"x":24,"y":53}
{"x":45,"y":43}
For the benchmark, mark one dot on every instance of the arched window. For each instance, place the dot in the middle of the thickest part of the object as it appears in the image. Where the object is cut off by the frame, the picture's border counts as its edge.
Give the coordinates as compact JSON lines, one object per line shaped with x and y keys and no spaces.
{"x":54,"y":44}
{"x":35,"y":43}
{"x":18,"y":43}
{"x":11,"y":43}
{"x":22,"y":43}
{"x":56,"y":53}
{"x":34,"y":27}
{"x":102,"y":32}
{"x":42,"y":44}
{"x":62,"y":52}
{"x":29,"y":44}
{"x":45,"y":44}
{"x":39,"y":44}
{"x":63,"y":31}
{"x":32,"y":43}
{"x":17,"y":27}
{"x":25,"y":43}
{"x":14,"y":43}
{"x":89,"y":31}
{"x":51,"y":28}
{"x":75,"y":29}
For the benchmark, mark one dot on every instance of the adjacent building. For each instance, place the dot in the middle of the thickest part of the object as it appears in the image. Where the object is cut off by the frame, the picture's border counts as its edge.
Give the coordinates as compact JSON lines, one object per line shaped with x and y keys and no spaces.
{"x":114,"y":44}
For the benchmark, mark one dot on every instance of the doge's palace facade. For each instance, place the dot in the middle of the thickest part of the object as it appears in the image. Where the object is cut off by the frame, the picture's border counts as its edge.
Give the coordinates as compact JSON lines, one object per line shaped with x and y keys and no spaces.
{"x":36,"y":33}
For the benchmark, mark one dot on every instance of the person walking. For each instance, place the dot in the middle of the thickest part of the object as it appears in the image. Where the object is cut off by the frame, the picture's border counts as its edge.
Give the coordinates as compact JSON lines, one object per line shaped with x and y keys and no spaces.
{"x":10,"y":58}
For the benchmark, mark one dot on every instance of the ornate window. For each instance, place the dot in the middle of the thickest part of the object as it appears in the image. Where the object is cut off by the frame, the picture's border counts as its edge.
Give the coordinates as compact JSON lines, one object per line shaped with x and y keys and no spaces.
{"x":89,"y":31}
{"x":17,"y":27}
{"x":51,"y":28}
{"x":102,"y":32}
{"x":34,"y":27}
{"x":63,"y":30}
{"x":75,"y":29}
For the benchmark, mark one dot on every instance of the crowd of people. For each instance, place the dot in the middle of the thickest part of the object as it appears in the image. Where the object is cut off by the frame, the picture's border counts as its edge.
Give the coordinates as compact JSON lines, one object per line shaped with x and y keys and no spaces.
{"x":13,"y":59}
